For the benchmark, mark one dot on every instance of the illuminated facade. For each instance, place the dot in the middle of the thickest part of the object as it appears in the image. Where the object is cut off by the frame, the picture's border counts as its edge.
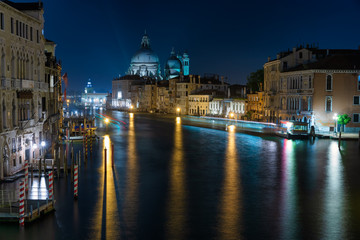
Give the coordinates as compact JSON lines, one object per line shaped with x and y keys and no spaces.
{"x":312,"y":85}
{"x":29,"y":93}
{"x":145,"y":62}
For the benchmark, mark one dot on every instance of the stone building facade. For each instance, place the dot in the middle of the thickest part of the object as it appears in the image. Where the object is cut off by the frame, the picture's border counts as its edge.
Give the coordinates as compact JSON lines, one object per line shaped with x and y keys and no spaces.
{"x":28,"y":86}
{"x":313,"y":85}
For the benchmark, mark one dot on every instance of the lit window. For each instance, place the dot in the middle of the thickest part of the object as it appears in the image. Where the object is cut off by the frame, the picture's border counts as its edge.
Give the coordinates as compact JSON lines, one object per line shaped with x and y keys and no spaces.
{"x":328,"y":104}
{"x":328,"y":83}
{"x":119,"y":95}
{"x":310,"y":82}
{"x":358,"y":83}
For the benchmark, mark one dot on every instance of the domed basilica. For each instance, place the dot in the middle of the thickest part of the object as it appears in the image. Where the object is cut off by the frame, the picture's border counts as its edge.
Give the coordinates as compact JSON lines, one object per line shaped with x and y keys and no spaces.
{"x":145,"y":63}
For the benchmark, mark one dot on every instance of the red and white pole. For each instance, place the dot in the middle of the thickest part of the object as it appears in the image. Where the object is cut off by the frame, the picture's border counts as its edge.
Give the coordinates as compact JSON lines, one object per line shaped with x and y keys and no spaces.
{"x":21,"y":204}
{"x":76,"y":181}
{"x":51,"y":185}
{"x":26,"y":175}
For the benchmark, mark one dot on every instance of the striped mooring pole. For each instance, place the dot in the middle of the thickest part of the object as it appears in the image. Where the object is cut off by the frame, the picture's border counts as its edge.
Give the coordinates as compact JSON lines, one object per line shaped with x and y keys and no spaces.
{"x":21,"y":204}
{"x":51,"y":186}
{"x":26,"y":175}
{"x":76,"y":181}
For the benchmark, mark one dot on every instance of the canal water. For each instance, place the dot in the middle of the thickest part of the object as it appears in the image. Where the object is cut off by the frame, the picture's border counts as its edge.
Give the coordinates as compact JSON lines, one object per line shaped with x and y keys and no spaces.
{"x":174,"y":181}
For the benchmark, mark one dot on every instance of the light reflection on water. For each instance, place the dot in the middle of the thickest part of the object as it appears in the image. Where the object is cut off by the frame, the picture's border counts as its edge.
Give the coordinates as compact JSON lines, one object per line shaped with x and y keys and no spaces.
{"x":130,"y":209}
{"x":178,"y":182}
{"x":334,"y":217}
{"x":230,"y":203}
{"x":288,"y":191}
{"x":176,"y":207}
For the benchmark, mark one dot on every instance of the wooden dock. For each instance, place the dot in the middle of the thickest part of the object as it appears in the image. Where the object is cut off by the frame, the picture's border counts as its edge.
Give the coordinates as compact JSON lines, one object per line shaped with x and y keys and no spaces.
{"x":33,"y":210}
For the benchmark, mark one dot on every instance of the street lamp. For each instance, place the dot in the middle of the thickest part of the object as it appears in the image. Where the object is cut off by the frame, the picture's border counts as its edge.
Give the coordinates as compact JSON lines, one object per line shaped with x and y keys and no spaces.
{"x":178,"y":110}
{"x":231,"y":115}
{"x":106,"y":120}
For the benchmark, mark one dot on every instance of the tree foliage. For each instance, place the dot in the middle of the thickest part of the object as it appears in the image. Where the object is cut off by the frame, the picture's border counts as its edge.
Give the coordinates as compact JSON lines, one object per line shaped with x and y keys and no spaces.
{"x":344,"y":119}
{"x":255,"y":79}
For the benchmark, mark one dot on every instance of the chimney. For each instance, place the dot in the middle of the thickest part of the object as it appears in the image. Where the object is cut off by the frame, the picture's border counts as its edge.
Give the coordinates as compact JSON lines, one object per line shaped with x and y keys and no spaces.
{"x":228,"y":92}
{"x":278,"y":56}
{"x":327,"y":52}
{"x":222,"y":80}
{"x":294,"y":49}
{"x":269,"y":59}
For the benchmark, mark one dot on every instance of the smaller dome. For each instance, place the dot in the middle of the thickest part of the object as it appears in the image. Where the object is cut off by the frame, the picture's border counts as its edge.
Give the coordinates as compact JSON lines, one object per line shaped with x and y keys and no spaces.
{"x":173,"y":63}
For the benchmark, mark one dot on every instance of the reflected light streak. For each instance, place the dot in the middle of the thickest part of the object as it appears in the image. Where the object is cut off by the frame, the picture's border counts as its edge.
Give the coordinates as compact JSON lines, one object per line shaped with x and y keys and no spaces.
{"x":112,"y":216}
{"x":37,"y":189}
{"x":334,"y":217}
{"x":178,"y":120}
{"x":176,"y":209}
{"x":132,"y":172}
{"x":230,"y":208}
{"x":288,"y":199}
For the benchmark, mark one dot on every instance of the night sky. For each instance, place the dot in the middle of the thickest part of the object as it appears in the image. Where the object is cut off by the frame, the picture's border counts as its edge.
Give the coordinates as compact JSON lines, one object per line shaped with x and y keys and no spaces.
{"x":96,"y":39}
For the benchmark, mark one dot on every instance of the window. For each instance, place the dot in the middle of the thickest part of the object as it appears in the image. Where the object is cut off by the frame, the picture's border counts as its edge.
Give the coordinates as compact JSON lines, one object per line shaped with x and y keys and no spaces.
{"x":328,"y":104}
{"x":356,"y":100}
{"x":310,"y":84}
{"x":37,"y":36}
{"x":300,"y":54}
{"x":17,"y":27}
{"x":358,"y":83}
{"x":356,"y":117}
{"x":20,"y":161}
{"x":12,"y":25}
{"x":31,"y":33}
{"x":2,"y":21}
{"x":284,"y":65}
{"x":328,"y":83}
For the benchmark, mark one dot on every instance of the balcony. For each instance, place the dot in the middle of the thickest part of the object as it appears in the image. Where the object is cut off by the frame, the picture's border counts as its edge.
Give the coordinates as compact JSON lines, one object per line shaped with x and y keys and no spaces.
{"x":27,"y":123}
{"x":27,"y":84}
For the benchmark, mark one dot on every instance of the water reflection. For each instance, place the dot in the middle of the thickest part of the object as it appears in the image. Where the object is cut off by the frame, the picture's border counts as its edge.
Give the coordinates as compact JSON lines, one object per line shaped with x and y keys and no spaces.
{"x":132,"y":172}
{"x":38,"y":189}
{"x":106,"y":215}
{"x":230,"y":206}
{"x":176,"y":209}
{"x":334,"y":219}
{"x":288,"y":191}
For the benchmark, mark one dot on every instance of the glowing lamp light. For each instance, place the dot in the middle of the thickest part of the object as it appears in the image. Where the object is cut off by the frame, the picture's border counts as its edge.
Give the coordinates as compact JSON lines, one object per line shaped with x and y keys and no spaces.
{"x":289,"y":124}
{"x":34,"y":146}
{"x":231,"y":115}
{"x":335,"y":117}
{"x":231,"y":128}
{"x":178,"y":109}
{"x":43,"y":144}
{"x":131,"y":106}
{"x":106,"y":120}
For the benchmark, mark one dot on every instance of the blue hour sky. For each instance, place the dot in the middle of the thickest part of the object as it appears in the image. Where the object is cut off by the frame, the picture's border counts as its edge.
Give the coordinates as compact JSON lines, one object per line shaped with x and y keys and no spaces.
{"x":96,"y":39}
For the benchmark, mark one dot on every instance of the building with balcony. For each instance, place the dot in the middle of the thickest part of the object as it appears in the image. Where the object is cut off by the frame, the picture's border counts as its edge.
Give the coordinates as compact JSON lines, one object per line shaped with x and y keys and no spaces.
{"x":28,"y":93}
{"x":312,"y":85}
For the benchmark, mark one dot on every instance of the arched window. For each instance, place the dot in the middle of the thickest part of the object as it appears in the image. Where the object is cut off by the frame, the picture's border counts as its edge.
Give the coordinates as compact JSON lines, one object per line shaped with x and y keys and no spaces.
{"x":328,"y":104}
{"x":328,"y":83}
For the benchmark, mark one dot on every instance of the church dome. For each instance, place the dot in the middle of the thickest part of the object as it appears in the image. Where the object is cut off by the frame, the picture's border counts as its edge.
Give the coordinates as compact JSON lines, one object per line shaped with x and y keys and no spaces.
{"x":173,"y":66}
{"x":145,"y":55}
